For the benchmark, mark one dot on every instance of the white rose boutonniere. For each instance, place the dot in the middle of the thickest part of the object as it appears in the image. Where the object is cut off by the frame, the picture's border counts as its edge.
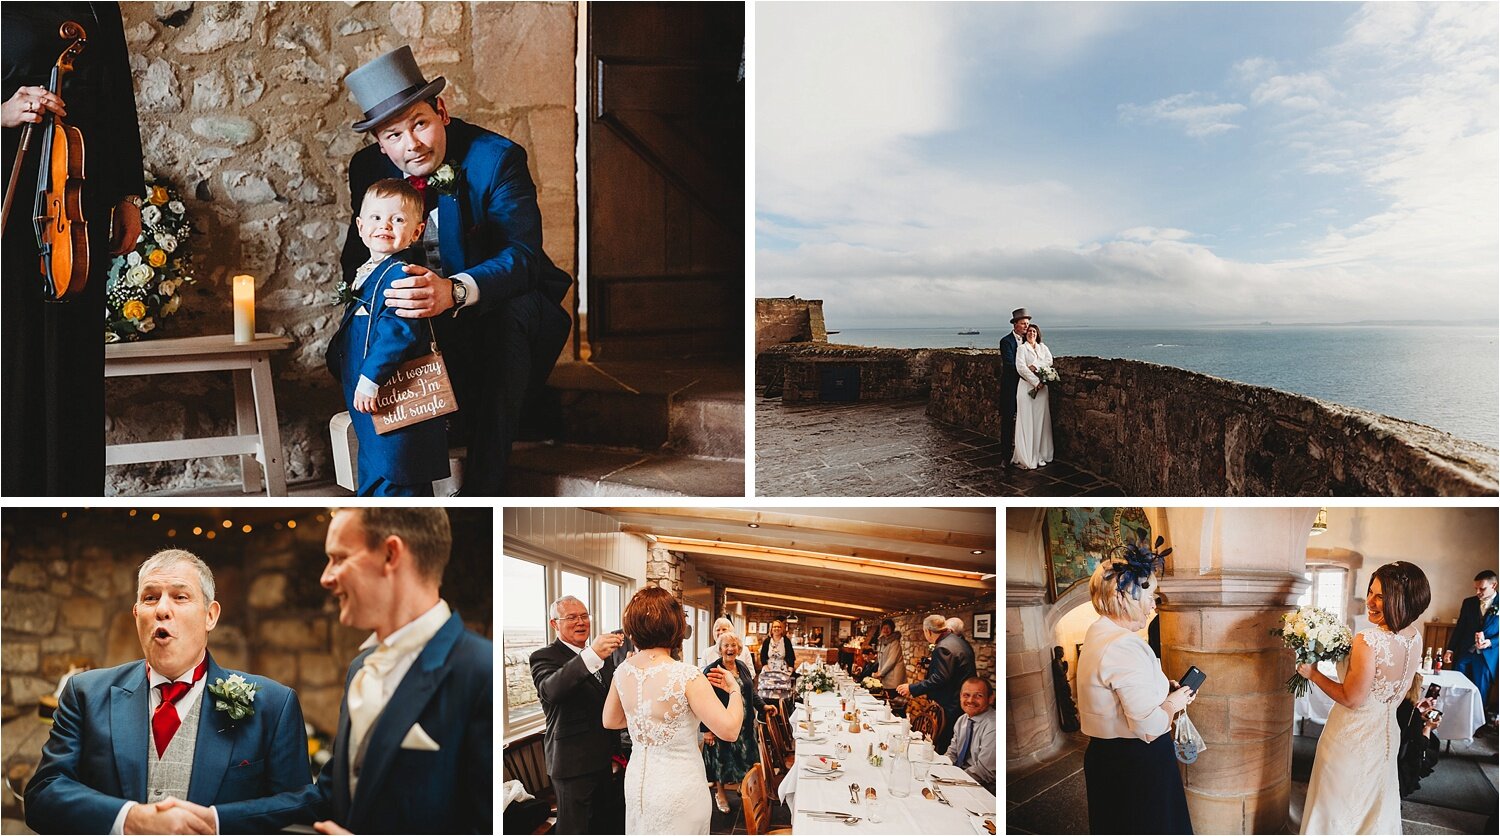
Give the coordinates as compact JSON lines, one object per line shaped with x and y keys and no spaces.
{"x":235,"y":696}
{"x":445,"y":179}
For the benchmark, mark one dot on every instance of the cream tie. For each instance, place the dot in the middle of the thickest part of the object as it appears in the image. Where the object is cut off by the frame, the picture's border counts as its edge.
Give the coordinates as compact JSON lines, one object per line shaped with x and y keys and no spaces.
{"x":367,"y":700}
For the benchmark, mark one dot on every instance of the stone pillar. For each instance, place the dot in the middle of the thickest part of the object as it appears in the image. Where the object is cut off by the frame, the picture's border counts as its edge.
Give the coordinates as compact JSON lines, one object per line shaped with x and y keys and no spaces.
{"x":1032,"y":730}
{"x":664,"y":569}
{"x":1233,"y":573}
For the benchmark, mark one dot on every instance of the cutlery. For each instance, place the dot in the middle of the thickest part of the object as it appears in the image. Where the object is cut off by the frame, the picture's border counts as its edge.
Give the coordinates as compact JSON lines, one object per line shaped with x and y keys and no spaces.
{"x":854,"y":793}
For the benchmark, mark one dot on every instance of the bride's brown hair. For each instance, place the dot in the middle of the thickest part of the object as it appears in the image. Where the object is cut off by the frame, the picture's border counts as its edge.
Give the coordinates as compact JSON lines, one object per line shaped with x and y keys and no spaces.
{"x":1405,"y":593}
{"x":653,"y":618}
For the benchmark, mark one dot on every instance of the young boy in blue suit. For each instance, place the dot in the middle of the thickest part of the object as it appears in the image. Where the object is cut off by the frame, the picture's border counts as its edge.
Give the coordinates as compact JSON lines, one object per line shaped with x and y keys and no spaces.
{"x":372,"y":341}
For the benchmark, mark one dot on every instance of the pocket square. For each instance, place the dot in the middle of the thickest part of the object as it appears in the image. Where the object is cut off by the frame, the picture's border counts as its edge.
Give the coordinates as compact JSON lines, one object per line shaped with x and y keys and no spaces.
{"x":362,"y":311}
{"x":418,"y":739}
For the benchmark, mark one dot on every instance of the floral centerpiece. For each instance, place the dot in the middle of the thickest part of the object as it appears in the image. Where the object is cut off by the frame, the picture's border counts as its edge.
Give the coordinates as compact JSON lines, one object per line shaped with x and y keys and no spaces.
{"x":872,"y":683}
{"x":144,"y":285}
{"x":818,"y":680}
{"x":1313,"y":634}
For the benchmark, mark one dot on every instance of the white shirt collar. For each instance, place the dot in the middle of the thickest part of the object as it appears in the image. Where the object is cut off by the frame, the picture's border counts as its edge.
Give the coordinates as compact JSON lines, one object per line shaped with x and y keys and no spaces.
{"x":422,"y":628}
{"x":156,"y":679}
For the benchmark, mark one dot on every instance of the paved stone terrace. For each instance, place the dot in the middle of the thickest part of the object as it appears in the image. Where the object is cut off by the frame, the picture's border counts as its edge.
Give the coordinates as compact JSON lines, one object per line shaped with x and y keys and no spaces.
{"x":891,"y":448}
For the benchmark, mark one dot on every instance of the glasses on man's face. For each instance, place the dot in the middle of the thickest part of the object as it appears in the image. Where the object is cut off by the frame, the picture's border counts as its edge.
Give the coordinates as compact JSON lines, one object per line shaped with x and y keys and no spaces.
{"x":572,"y":619}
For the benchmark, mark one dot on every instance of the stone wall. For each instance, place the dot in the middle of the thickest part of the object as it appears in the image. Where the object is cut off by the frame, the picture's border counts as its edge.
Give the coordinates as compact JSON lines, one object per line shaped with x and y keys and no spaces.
{"x":664,"y":569}
{"x":69,"y":584}
{"x":242,"y":107}
{"x":916,"y":649}
{"x":789,"y":320}
{"x":1157,"y":430}
{"x":792,"y":371}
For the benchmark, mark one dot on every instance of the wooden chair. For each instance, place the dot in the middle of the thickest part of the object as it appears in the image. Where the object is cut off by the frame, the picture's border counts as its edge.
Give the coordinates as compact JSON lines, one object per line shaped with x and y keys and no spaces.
{"x":783,"y":750}
{"x":526,"y":761}
{"x":757,"y":803}
{"x":925,"y":715}
{"x":774,"y":771}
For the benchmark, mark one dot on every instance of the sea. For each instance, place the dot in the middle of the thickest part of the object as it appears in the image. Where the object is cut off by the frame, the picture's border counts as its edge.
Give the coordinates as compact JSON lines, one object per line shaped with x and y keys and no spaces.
{"x":1444,"y":376}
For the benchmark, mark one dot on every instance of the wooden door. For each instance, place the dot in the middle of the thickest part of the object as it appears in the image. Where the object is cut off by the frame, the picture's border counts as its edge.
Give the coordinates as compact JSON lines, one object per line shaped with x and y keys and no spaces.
{"x":666,"y":180}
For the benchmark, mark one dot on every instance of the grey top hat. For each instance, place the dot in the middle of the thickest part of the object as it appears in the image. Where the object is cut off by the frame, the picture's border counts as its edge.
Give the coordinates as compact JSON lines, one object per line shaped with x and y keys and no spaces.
{"x":388,"y":84}
{"x":1019,"y":313}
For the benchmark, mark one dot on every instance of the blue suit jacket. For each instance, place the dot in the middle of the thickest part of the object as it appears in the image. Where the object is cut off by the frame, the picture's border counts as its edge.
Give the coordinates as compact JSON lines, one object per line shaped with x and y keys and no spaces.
{"x":373,"y":346}
{"x":491,"y":229}
{"x":1469,"y":623}
{"x":1009,"y":377}
{"x":95,"y":759}
{"x":449,"y":691}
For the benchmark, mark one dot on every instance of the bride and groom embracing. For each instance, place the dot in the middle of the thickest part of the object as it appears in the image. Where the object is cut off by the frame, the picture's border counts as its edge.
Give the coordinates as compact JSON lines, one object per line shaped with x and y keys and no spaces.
{"x":1025,"y":404}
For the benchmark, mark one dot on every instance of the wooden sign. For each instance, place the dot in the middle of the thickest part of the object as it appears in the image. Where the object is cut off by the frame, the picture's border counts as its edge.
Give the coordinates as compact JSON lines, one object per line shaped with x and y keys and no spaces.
{"x":419,"y":390}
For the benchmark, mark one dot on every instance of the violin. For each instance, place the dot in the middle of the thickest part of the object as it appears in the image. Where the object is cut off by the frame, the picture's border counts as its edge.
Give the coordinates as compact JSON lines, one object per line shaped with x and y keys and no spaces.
{"x":62,"y":234}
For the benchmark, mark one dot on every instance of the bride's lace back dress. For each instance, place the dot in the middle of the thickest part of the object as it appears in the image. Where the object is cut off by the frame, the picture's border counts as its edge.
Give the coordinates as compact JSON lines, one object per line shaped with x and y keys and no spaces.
{"x":666,"y":786}
{"x":1354,"y":787}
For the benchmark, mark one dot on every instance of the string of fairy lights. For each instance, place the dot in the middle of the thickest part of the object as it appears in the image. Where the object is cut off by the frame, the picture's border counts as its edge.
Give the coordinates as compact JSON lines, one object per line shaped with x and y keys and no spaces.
{"x":209,"y":530}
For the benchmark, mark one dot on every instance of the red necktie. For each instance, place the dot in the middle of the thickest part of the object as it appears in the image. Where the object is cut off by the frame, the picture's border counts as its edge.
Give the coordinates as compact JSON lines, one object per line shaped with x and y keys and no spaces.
{"x":165,"y":722}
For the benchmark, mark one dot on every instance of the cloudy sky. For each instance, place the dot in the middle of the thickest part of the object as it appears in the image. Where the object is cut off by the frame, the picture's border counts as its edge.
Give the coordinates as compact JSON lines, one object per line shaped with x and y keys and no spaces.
{"x":939,"y":164}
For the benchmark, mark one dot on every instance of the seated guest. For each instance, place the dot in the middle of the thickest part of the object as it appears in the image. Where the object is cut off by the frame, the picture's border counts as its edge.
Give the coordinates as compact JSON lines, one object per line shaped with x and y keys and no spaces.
{"x":973,"y":747}
{"x":1418,"y":754}
{"x":864,"y":665}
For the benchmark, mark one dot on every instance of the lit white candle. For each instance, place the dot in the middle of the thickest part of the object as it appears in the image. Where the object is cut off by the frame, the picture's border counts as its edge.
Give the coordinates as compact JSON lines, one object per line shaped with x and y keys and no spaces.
{"x":244,"y":309}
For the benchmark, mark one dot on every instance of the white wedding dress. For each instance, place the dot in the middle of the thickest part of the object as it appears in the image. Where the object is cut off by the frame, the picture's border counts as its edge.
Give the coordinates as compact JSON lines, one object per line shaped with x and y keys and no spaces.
{"x":1354,"y":788}
{"x":1033,"y":415}
{"x":666,"y":785}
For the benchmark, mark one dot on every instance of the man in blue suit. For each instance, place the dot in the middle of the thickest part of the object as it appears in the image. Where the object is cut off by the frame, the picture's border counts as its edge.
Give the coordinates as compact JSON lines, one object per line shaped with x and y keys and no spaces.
{"x":1475,"y":634}
{"x":127,"y":742}
{"x":1009,"y":380}
{"x":481,"y":255}
{"x":413,"y":749}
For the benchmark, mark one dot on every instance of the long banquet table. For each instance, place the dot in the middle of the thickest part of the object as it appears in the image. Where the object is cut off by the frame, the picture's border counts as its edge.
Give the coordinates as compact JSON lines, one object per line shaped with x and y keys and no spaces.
{"x":806,"y":794}
{"x":1461,"y":703}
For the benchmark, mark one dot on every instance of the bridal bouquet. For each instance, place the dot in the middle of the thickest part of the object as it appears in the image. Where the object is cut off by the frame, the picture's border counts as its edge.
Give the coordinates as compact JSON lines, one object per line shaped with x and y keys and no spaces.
{"x":1047,"y":375}
{"x":1313,"y":634}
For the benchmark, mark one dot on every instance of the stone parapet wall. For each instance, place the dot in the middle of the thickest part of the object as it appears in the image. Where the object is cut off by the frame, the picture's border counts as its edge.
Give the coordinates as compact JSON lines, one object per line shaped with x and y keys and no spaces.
{"x":792,"y":371}
{"x":1157,"y":430}
{"x":789,"y":320}
{"x":242,"y":106}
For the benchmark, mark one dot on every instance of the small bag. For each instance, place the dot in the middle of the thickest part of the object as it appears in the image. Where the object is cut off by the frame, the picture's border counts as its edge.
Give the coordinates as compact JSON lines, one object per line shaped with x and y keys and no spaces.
{"x":1188,"y":742}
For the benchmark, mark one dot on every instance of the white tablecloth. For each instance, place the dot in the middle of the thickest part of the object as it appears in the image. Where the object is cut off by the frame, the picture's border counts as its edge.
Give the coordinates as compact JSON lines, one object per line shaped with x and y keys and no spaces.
{"x":913,"y":814}
{"x":1461,"y":703}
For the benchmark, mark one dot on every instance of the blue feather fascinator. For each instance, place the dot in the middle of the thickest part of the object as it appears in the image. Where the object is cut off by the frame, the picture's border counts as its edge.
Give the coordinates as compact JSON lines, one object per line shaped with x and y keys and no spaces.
{"x":1137,"y":563}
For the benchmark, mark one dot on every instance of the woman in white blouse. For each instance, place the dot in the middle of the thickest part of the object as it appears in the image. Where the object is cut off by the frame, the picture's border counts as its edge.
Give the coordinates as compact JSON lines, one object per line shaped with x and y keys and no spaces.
{"x":1126,"y":705}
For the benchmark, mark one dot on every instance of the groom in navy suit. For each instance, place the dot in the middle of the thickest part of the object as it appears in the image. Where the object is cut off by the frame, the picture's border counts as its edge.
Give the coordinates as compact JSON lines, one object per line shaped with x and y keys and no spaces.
{"x":482,"y":252}
{"x":413,"y":750}
{"x":1009,"y":380}
{"x":128,"y":742}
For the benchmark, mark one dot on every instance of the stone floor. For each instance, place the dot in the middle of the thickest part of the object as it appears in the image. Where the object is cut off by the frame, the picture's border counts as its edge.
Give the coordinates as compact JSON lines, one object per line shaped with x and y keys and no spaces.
{"x":1050,"y":797}
{"x":891,"y":448}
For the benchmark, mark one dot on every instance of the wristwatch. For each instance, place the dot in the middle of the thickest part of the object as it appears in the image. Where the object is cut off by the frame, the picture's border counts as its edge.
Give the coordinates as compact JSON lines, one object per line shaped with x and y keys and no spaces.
{"x":460,"y":293}
{"x":134,"y":200}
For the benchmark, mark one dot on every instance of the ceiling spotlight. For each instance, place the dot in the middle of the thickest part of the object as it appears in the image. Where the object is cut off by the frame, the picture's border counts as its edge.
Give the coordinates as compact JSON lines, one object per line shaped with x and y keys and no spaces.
{"x":753,"y":525}
{"x":976,"y":551}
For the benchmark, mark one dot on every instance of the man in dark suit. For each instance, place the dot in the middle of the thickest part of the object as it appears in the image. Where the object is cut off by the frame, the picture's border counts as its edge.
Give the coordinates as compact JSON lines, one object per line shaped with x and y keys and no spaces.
{"x":572,"y":679}
{"x":413,"y":752}
{"x":1474,"y":638}
{"x":952,"y":662}
{"x":1009,"y":380}
{"x":482,"y":252}
{"x":129,"y":742}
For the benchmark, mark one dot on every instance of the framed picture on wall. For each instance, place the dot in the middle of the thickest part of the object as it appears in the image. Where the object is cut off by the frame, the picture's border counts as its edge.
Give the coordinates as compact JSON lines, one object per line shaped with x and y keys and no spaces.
{"x":984,"y":625}
{"x":1078,"y":538}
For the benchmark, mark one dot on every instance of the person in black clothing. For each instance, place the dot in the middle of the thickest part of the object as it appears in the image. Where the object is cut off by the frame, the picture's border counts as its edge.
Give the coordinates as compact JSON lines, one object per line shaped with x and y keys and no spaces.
{"x":53,"y":352}
{"x":952,"y":662}
{"x":1418,"y":754}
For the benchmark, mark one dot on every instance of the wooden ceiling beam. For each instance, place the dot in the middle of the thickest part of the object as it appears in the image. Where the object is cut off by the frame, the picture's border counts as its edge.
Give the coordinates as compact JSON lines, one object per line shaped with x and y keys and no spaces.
{"x":734,"y":590}
{"x":810,"y":522}
{"x":943,"y":577}
{"x":959,"y":559}
{"x":782,"y":607}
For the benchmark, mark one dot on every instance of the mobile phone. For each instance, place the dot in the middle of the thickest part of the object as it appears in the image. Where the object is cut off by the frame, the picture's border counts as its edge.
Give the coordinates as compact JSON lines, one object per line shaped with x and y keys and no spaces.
{"x":1432,"y":690}
{"x":619,"y":632}
{"x":1193,"y":678}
